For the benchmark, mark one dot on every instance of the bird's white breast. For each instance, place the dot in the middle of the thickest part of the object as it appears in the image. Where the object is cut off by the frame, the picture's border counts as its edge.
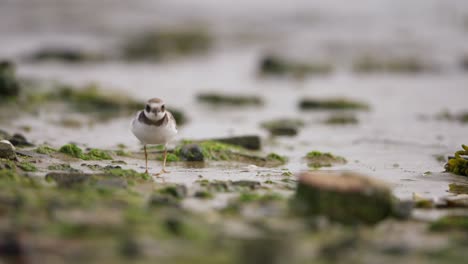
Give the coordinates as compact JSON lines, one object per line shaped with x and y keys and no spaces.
{"x":151,"y":134}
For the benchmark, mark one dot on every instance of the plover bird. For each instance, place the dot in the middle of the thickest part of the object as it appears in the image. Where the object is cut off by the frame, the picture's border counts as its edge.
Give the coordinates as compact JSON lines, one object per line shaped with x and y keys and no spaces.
{"x":154,"y":125}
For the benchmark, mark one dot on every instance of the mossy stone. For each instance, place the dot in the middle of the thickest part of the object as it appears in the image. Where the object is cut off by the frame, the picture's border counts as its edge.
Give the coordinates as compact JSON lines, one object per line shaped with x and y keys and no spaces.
{"x":347,"y":198}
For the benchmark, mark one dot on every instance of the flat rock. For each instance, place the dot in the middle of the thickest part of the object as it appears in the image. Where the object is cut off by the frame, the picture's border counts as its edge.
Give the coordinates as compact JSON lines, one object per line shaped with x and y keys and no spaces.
{"x":343,"y":197}
{"x":251,"y":142}
{"x":7,"y":150}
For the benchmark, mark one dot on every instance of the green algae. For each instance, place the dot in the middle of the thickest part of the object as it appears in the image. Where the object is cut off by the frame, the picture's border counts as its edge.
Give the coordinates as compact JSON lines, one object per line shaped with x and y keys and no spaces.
{"x":332,"y":104}
{"x":203,"y":194}
{"x":452,"y":222}
{"x":283,"y":126}
{"x":27,"y":166}
{"x":72,"y":150}
{"x":217,"y":151}
{"x":458,"y":188}
{"x":346,"y":198}
{"x":277,"y":66}
{"x":458,"y":164}
{"x":126,"y":173}
{"x":218,"y":99}
{"x":65,"y":54}
{"x":317,"y":159}
{"x":368,"y":64}
{"x":76,"y":152}
{"x":123,"y":153}
{"x":91,"y":99}
{"x":273,"y":157}
{"x":341,"y":119}
{"x":461,"y":117}
{"x":247,"y":197}
{"x":158,"y":45}
{"x":97,"y":154}
{"x":61,"y":167}
{"x":44,"y":149}
{"x":177,"y":191}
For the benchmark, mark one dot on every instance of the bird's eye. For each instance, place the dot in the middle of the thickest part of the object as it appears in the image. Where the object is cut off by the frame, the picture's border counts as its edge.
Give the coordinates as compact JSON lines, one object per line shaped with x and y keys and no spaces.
{"x":163,"y":108}
{"x":148,"y":108}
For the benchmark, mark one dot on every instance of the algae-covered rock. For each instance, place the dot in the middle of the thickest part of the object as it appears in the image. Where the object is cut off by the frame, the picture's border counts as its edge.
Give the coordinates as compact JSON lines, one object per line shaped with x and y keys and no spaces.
{"x":283,"y":127}
{"x":450,"y":222}
{"x":91,"y":99}
{"x":9,"y":84}
{"x":251,"y":142}
{"x":341,"y":119}
{"x":93,"y":154}
{"x":458,"y":188}
{"x":178,"y":191}
{"x":344,"y":197}
{"x":317,"y":159}
{"x":218,"y":99}
{"x":113,"y":177}
{"x":275,"y":65}
{"x":7,"y":150}
{"x":44,"y":149}
{"x":246,"y":184}
{"x":20,"y":141}
{"x":64,"y":54}
{"x":446,"y":115}
{"x":213,"y":150}
{"x":332,"y":104}
{"x":369,"y":64}
{"x":26,"y":166}
{"x":191,"y":152}
{"x":457,"y":201}
{"x":69,"y":179}
{"x":459,"y":163}
{"x":162,"y":44}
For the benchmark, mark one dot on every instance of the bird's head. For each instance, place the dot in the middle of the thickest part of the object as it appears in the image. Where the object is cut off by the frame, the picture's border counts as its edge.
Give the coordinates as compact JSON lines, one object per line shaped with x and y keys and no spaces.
{"x":155,"y":109}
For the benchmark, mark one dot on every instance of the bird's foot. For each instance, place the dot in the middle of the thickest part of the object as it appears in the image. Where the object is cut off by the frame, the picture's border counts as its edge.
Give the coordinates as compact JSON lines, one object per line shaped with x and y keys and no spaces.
{"x":161,"y":172}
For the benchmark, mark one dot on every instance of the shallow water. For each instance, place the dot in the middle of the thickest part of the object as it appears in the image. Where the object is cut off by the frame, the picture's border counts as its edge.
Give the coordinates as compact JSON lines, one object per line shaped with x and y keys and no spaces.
{"x":391,"y":141}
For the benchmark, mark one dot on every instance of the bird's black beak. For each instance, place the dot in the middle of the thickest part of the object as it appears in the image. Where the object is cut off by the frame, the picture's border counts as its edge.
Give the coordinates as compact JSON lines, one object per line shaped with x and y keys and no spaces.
{"x":155,"y":111}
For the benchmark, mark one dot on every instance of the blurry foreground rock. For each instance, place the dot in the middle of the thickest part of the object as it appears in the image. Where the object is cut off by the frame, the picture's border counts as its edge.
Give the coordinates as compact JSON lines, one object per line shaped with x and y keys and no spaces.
{"x":9,"y":85}
{"x":7,"y":150}
{"x":459,"y":163}
{"x":343,"y":197}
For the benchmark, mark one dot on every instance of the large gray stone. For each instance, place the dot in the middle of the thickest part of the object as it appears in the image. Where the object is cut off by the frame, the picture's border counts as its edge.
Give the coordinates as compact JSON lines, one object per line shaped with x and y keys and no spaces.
{"x":343,"y":197}
{"x":7,"y":150}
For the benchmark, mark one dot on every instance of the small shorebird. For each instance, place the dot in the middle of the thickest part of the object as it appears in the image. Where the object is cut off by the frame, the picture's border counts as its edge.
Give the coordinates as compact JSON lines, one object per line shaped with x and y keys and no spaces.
{"x":154,"y":125}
